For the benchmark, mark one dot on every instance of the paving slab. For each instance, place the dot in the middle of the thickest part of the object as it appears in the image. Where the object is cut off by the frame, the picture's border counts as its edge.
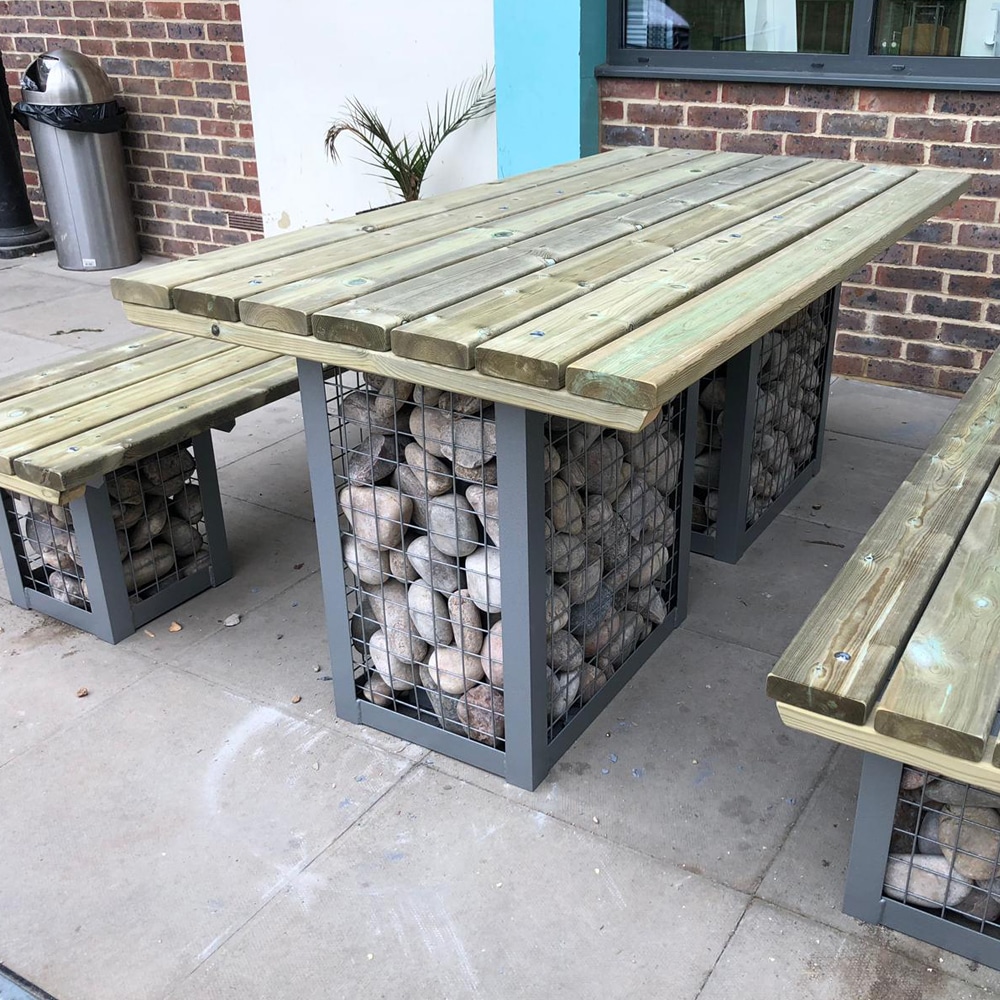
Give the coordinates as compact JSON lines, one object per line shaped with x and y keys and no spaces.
{"x":184,"y":810}
{"x":857,"y":479}
{"x":775,"y":953}
{"x":689,"y":764}
{"x":258,"y":429}
{"x":24,"y":287}
{"x":43,"y":666}
{"x":18,"y":354}
{"x":276,"y":475}
{"x":762,"y":601}
{"x":444,"y":890}
{"x":46,"y":265}
{"x":887,"y":413}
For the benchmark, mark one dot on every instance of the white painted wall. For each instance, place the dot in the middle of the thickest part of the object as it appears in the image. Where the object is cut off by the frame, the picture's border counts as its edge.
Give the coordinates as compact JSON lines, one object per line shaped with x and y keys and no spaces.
{"x":305,"y":58}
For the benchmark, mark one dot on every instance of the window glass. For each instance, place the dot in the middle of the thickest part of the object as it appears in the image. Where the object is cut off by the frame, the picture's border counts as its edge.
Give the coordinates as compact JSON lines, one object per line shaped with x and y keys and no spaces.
{"x":941,"y":28}
{"x":740,"y":25}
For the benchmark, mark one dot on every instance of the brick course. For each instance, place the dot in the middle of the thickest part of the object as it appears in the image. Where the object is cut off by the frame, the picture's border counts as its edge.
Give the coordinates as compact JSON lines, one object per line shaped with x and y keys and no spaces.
{"x":926,"y":313}
{"x":180,"y":71}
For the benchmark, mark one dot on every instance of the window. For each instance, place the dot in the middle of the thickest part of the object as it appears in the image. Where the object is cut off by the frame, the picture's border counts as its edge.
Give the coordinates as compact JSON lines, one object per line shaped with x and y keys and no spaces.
{"x":903,"y":43}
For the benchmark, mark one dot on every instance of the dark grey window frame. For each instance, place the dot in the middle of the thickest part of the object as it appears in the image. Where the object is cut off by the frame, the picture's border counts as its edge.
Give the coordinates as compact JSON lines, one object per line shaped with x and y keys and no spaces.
{"x":858,"y":68}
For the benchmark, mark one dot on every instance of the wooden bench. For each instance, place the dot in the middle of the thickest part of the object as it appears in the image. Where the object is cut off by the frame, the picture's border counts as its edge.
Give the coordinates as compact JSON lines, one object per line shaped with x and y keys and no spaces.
{"x":901,"y":659}
{"x":111,"y":504}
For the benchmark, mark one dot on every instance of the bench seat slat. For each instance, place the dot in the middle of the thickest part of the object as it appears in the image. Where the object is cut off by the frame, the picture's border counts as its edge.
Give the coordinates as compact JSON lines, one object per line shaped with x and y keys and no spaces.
{"x":136,"y":434}
{"x":944,"y":691}
{"x":56,"y":427}
{"x":872,"y":607}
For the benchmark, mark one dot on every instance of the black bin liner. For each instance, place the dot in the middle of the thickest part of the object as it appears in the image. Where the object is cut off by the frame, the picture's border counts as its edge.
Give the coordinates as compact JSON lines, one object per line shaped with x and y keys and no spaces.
{"x":108,"y":116}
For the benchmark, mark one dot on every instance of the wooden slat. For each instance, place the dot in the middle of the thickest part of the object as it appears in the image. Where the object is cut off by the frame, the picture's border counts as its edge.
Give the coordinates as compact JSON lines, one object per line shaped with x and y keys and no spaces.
{"x":220,"y":295}
{"x":32,"y":405}
{"x":36,"y":492}
{"x":540,"y":351}
{"x":92,"y":361}
{"x":56,"y":427}
{"x":871,"y":608}
{"x":140,"y":433}
{"x":451,"y":335}
{"x":944,"y":691}
{"x":369,"y":320}
{"x":154,"y":286}
{"x":657,"y":360}
{"x":558,"y":403}
{"x":980,"y":774}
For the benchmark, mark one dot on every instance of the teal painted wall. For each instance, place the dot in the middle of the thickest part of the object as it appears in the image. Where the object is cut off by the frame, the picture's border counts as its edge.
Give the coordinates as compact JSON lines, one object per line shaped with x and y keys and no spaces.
{"x":547,"y":103}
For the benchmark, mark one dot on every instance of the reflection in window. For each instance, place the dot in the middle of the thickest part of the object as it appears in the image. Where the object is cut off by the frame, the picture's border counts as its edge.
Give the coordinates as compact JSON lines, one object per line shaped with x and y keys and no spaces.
{"x":942,"y":28}
{"x":740,"y":25}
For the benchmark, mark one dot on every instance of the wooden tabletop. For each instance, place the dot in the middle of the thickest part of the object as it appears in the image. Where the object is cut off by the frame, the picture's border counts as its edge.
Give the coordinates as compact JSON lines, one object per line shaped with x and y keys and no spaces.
{"x":595,"y":289}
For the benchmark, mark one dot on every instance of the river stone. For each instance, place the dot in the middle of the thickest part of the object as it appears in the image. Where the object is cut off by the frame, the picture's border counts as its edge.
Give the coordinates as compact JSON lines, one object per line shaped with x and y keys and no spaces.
{"x":432,"y":476}
{"x":452,"y":526}
{"x":712,"y":394}
{"x":649,"y":602}
{"x":375,"y":412}
{"x":388,"y":604}
{"x":442,"y":572}
{"x":656,"y":460}
{"x":556,"y":608}
{"x":491,"y":656}
{"x":429,"y":614}
{"x":566,"y":510}
{"x":800,"y":430}
{"x":582,"y":583}
{"x":912,"y":778}
{"x":145,"y":567}
{"x":600,"y":639}
{"x":645,"y":511}
{"x":481,"y":709}
{"x":126,"y":515}
{"x":615,"y":540}
{"x":980,"y":905}
{"x":184,"y":538}
{"x":971,"y":839}
{"x":924,"y":881}
{"x":624,"y":478}
{"x":125,"y":487}
{"x":372,"y":459}
{"x":398,"y":673}
{"x":466,"y":622}
{"x":953,"y":793}
{"x":68,"y":588}
{"x":566,"y":553}
{"x":929,"y":839}
{"x":432,"y":428}
{"x":586,"y":618}
{"x":486,"y":474}
{"x":165,"y":466}
{"x":363,"y":626}
{"x":564,"y":652}
{"x":187,"y":504}
{"x":563,"y":691}
{"x":458,"y":403}
{"x":377,"y":691}
{"x":649,"y":561}
{"x":166,"y":488}
{"x":602,"y":465}
{"x":599,"y":512}
{"x":711,"y":507}
{"x":707,"y":467}
{"x":56,"y":545}
{"x":485,"y":501}
{"x":378,"y":514}
{"x":774,"y":352}
{"x":151,"y":525}
{"x":474,"y":442}
{"x":705,"y":434}
{"x":482,"y":575}
{"x":399,"y":566}
{"x":425,"y":395}
{"x":592,"y":679}
{"x":444,"y":705}
{"x":622,"y":642}
{"x":551,"y":461}
{"x":453,"y":671}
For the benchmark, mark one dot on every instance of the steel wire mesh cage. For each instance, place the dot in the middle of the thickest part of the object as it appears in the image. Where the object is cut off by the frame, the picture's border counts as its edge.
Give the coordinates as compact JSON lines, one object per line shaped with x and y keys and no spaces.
{"x":139,"y":541}
{"x":452,"y":517}
{"x":925,"y":859}
{"x":760,"y":426}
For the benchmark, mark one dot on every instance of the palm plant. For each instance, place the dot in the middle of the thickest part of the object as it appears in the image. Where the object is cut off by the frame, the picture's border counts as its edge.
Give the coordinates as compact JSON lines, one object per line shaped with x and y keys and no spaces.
{"x":405,"y":161}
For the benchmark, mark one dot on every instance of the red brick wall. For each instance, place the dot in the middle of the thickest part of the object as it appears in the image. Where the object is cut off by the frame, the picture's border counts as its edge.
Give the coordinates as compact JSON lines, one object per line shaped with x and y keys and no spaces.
{"x":927,"y":312}
{"x":180,"y":70}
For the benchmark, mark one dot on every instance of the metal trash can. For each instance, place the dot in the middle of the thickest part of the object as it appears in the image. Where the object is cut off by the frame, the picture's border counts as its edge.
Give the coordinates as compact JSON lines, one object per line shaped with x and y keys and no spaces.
{"x":69,"y":107}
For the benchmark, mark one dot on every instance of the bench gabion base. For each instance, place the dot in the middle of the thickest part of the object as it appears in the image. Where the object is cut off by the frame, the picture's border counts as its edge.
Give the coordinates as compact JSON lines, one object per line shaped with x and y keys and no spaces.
{"x":139,"y":541}
{"x":925,"y":859}
{"x":492,"y":576}
{"x":761,"y":418}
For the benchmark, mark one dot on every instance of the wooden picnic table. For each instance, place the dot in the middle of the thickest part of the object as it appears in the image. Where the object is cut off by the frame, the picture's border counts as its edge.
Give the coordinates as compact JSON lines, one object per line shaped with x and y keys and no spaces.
{"x":597,"y":289}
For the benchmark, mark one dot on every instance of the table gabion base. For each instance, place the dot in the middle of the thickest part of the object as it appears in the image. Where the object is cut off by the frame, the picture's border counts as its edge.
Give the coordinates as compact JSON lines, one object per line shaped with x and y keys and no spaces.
{"x":137,"y":543}
{"x":491,"y":576}
{"x":761,"y":418}
{"x":925,"y":859}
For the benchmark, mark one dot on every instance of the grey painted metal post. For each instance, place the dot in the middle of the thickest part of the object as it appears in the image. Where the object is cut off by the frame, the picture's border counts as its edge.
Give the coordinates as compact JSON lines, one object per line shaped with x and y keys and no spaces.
{"x":8,"y":552}
{"x":684,"y":533}
{"x":521,"y":485}
{"x":316,"y":421}
{"x":220,"y":564}
{"x":97,"y":541}
{"x":824,"y":399}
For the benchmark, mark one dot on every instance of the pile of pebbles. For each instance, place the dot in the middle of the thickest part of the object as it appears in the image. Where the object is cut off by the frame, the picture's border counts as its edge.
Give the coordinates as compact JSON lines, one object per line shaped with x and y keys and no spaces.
{"x":157,"y":513}
{"x":945,"y":847}
{"x":789,"y":398}
{"x":420,"y":504}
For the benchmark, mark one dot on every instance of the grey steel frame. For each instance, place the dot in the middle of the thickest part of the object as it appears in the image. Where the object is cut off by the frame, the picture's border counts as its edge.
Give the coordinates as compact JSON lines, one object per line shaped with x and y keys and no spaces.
{"x":528,"y":755}
{"x":112,"y":616}
{"x":732,"y":535}
{"x":863,"y":897}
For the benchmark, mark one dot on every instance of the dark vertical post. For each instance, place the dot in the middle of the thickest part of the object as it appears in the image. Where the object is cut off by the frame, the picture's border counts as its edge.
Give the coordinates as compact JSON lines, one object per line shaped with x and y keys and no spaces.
{"x":19,"y":233}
